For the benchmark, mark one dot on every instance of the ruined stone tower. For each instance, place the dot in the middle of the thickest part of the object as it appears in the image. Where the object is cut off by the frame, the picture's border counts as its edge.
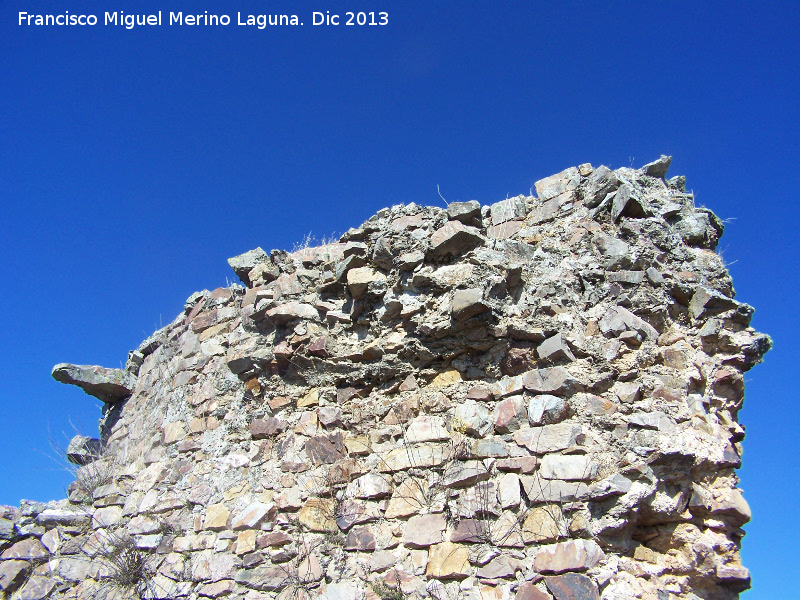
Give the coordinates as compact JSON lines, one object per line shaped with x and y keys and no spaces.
{"x":535,"y":399}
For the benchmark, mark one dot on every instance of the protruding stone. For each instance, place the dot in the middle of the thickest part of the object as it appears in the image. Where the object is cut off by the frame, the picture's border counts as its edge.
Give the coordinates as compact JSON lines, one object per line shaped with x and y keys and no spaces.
{"x":555,"y":184}
{"x":263,"y":428}
{"x":600,"y":183}
{"x":82,"y":450}
{"x":12,"y":573}
{"x":615,"y":485}
{"x":472,"y":531}
{"x":515,"y":361}
{"x":446,"y":378}
{"x":552,"y":380}
{"x":359,"y":280}
{"x":520,"y":464}
{"x":453,"y":238}
{"x":465,"y":473}
{"x":464,"y":211}
{"x":507,"y":386}
{"x":369,"y":486}
{"x":468,"y":303}
{"x":492,"y":447}
{"x":309,"y":399}
{"x":27,"y":549}
{"x":414,"y":456}
{"x":653,"y":420}
{"x":36,"y":588}
{"x":506,"y":210}
{"x":262,"y":273}
{"x":618,"y":319}
{"x":244,"y":263}
{"x":508,"y":492}
{"x":546,"y":409}
{"x":252,"y":516}
{"x":346,"y":265}
{"x":554,"y":348}
{"x":330,"y":416}
{"x":658,"y":168}
{"x":309,"y":570}
{"x":626,"y":203}
{"x":108,"y":385}
{"x":324,"y":450}
{"x":288,"y":311}
{"x":502,"y":567}
{"x":216,"y":517}
{"x":409,"y":498}
{"x":472,"y":418}
{"x":510,"y":414}
{"x":107,"y":516}
{"x":539,"y":489}
{"x":706,"y":302}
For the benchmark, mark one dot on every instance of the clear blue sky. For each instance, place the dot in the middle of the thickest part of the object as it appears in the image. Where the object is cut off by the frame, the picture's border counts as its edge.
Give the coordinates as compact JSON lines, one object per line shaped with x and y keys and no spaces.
{"x":133,"y":163}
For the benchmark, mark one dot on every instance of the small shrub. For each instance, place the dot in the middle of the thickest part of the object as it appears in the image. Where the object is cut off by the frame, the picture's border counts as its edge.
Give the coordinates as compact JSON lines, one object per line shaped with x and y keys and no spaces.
{"x":385,"y":591}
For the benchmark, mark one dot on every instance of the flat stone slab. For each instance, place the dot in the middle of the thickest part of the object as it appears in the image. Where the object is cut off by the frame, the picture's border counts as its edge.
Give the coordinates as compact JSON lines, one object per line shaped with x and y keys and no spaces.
{"x":572,"y":586}
{"x":108,"y":385}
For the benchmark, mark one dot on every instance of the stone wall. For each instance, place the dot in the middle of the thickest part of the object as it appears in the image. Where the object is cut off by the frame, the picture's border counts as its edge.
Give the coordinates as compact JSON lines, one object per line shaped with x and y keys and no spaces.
{"x":535,"y":399}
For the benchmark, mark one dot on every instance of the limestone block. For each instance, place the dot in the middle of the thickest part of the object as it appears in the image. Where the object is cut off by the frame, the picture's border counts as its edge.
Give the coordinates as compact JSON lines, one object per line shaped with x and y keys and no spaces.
{"x":571,"y":467}
{"x":423,"y":531}
{"x":371,"y":485}
{"x":27,"y":549}
{"x":549,"y":438}
{"x":547,"y":409}
{"x":463,"y":211}
{"x":506,"y":210}
{"x":408,"y":498}
{"x":216,"y":517}
{"x":468,"y":303}
{"x":448,"y":561}
{"x":544,"y":524}
{"x":452,"y":239}
{"x":510,"y":414}
{"x":426,"y":429}
{"x":554,"y":348}
{"x":244,"y":263}
{"x":471,"y":418}
{"x":252,"y":516}
{"x":359,"y":280}
{"x":568,"y":556}
{"x":446,"y":378}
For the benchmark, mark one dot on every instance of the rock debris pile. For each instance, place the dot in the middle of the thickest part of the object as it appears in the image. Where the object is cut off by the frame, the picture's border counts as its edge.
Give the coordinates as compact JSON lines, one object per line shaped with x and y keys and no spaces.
{"x":535,"y":399}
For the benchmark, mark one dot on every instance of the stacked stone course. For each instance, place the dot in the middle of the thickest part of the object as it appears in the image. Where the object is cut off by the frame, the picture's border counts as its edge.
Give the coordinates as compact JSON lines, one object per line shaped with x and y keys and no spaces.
{"x":535,"y":399}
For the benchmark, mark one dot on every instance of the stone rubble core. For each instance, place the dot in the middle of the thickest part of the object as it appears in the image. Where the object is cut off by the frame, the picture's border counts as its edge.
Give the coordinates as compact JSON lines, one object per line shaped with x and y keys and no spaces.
{"x":535,"y":399}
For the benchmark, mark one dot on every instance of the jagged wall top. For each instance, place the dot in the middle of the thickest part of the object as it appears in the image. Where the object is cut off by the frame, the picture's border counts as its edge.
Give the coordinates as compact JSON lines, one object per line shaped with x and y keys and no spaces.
{"x":537,"y":397}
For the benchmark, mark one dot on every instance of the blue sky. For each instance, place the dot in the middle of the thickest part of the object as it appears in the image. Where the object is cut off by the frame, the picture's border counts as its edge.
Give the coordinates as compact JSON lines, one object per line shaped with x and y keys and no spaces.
{"x":133,"y":163}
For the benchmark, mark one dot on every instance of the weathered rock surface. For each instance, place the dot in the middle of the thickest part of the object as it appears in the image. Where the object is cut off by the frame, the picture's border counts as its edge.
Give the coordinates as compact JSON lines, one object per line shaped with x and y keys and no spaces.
{"x":108,"y":385}
{"x":533,"y":399}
